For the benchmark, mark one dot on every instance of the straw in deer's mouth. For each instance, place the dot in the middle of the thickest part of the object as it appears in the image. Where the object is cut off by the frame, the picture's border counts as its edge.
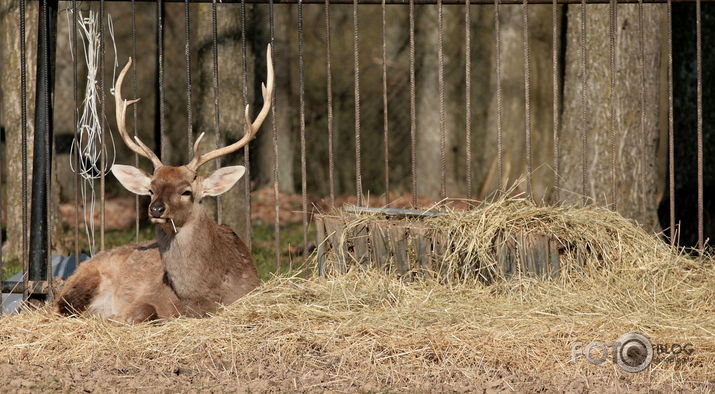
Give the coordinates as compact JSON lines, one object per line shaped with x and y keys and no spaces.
{"x":163,"y":221}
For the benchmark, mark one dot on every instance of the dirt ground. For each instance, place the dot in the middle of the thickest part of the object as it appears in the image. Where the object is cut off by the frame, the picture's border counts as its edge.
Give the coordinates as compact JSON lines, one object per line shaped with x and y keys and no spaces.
{"x":24,"y":378}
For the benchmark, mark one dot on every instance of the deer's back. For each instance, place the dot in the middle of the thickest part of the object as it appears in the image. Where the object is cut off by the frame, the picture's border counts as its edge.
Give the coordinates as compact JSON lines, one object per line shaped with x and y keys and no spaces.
{"x":241,"y":276}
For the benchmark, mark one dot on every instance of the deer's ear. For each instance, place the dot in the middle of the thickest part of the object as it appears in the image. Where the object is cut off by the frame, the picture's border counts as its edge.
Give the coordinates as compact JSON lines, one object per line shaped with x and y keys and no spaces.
{"x":221,"y":180}
{"x":132,"y":178}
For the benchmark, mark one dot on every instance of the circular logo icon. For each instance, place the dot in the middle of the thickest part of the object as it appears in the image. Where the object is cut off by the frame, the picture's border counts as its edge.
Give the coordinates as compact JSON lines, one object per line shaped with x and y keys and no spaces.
{"x":635,"y":353}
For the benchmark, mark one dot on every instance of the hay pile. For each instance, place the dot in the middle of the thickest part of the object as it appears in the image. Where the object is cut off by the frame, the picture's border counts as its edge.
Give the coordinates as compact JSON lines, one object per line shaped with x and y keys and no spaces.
{"x":475,"y":244}
{"x":371,"y":331}
{"x":590,"y":238}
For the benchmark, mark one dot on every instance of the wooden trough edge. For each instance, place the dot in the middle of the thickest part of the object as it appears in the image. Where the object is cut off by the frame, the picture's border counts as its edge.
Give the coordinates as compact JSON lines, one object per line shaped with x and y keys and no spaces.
{"x":405,"y":247}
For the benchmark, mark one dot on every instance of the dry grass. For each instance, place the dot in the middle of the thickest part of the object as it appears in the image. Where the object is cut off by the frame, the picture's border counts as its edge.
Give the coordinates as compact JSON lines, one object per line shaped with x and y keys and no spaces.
{"x":371,"y":331}
{"x":594,"y":235}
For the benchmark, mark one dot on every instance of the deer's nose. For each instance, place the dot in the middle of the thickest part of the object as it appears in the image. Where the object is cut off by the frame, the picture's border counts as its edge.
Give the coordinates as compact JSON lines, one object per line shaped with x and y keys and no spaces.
{"x":157,"y":209}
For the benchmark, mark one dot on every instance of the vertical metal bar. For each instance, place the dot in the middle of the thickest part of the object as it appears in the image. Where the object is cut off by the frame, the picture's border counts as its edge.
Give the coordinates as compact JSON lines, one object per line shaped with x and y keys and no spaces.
{"x":584,"y":81}
{"x":468,"y":94}
{"x":356,"y":56}
{"x":75,"y":103}
{"x":556,"y":97}
{"x":385,"y":122}
{"x":163,"y":142}
{"x":135,"y":108}
{"x":440,"y":87}
{"x":246,"y":149}
{"x":103,"y":152}
{"x":217,"y":129}
{"x":612,"y":52}
{"x":527,"y":100}
{"x":24,"y":255}
{"x":644,"y":156}
{"x":40,"y":239}
{"x":497,"y":67}
{"x":329,"y":77}
{"x":301,"y":98}
{"x":413,"y":113}
{"x":50,"y":33}
{"x":671,"y":142}
{"x":274,"y":131}
{"x":699,"y":73}
{"x":187,"y":57}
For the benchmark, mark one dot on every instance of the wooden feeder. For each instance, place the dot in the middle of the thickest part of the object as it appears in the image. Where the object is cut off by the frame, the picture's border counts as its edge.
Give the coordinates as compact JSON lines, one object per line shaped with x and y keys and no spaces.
{"x":387,"y":239}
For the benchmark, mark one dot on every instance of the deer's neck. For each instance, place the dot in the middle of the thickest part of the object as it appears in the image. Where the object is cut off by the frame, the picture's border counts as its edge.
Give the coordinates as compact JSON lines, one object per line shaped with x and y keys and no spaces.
{"x":189,"y":256}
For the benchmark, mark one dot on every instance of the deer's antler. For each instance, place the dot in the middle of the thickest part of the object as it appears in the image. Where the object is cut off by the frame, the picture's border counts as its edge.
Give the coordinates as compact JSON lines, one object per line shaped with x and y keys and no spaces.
{"x":121,"y":110}
{"x":251,"y":127}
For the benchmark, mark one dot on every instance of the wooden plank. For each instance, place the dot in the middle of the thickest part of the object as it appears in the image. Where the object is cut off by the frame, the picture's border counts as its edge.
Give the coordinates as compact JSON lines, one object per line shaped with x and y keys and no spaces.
{"x":357,"y":237}
{"x":523,"y":255}
{"x":335,"y":230}
{"x":503,"y":257}
{"x":397,"y":236}
{"x":440,"y":245}
{"x":554,"y":259}
{"x":522,"y":259}
{"x":538,"y":253}
{"x":421,"y":247}
{"x":379,"y":252}
{"x":323,"y":244}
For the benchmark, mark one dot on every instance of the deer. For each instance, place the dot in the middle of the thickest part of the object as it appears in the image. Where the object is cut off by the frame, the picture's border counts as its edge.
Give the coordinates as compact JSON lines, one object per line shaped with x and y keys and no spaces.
{"x":194,"y":265}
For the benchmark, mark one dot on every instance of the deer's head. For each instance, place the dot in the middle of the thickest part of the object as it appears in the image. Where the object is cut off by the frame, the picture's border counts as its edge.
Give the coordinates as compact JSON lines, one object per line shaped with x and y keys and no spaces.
{"x":176,"y":192}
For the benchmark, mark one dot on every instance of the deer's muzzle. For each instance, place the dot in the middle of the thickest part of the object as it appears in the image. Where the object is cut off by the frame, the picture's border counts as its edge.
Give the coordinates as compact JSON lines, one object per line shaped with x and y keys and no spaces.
{"x":157,"y":209}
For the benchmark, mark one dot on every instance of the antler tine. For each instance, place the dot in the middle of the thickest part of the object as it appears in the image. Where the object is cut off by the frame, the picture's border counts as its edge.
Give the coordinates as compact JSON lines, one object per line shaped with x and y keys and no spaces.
{"x":251,"y":127}
{"x":197,"y":143}
{"x":121,"y":110}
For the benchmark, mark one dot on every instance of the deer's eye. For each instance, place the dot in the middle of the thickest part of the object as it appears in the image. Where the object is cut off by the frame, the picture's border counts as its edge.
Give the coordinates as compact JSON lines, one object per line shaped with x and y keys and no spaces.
{"x":186,"y":193}
{"x":151,"y":192}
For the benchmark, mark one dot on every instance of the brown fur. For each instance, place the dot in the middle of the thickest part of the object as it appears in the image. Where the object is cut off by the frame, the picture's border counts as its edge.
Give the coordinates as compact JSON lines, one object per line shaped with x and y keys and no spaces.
{"x":190,"y":272}
{"x":203,"y":256}
{"x":123,"y":284}
{"x":79,"y":290}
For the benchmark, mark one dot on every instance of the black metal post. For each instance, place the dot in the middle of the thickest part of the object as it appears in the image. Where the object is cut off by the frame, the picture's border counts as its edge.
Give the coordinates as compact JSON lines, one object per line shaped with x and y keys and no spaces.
{"x":42,"y":151}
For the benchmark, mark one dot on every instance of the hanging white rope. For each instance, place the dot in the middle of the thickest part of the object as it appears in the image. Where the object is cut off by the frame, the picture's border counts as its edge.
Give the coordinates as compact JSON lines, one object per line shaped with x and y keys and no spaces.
{"x":89,"y":144}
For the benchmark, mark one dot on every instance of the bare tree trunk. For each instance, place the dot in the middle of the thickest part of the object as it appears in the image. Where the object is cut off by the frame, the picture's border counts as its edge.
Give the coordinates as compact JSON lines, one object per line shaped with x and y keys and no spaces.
{"x":176,"y":115}
{"x":482,"y":95}
{"x":283,"y":94}
{"x":513,"y":119}
{"x":11,"y":116}
{"x":428,"y":98}
{"x":636,"y":179}
{"x":344,"y":100}
{"x":230,"y":100}
{"x":428,"y":103}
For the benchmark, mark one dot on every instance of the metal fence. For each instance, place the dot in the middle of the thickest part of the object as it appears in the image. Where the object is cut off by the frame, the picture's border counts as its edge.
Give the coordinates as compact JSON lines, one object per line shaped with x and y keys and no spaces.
{"x":35,"y":223}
